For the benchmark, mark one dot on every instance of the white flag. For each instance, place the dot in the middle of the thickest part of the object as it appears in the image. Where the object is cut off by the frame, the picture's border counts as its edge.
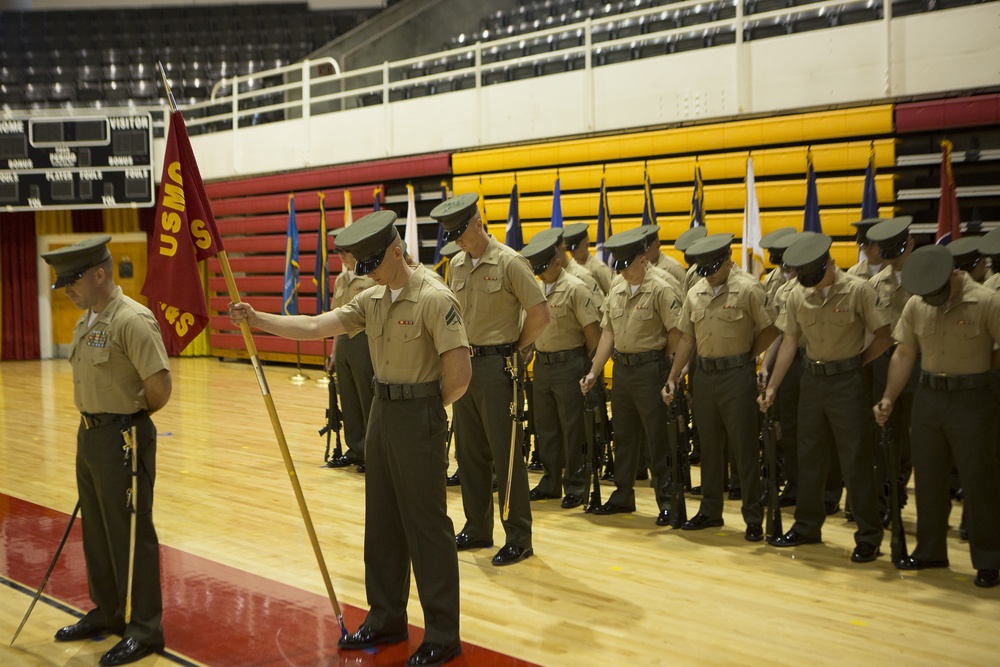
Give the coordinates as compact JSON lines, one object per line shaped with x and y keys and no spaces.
{"x":410,"y":234}
{"x":753,"y":254}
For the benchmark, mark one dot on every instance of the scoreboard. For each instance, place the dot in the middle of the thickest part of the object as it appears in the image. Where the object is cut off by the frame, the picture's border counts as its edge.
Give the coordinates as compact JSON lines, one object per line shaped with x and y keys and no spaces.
{"x":76,"y":162}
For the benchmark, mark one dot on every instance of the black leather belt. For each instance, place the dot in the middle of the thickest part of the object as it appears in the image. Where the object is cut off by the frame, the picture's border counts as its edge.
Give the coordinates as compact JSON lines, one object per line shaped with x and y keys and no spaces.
{"x":724,"y":363}
{"x":505,"y":350}
{"x":832,"y":367}
{"x":99,"y":419}
{"x":954,"y":382}
{"x":560,"y":356}
{"x":404,"y":392}
{"x":636,"y":358}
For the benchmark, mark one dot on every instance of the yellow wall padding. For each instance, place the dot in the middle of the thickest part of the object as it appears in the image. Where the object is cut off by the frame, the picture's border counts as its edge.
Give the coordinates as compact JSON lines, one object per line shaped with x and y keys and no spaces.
{"x":837,"y":191}
{"x":53,"y":222}
{"x":796,"y":129}
{"x":726,"y":166}
{"x":121,"y":220}
{"x":201,"y":346}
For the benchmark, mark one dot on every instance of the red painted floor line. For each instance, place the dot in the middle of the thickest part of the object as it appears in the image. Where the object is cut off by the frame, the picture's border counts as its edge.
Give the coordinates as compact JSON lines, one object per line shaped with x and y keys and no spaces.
{"x":212,"y":613}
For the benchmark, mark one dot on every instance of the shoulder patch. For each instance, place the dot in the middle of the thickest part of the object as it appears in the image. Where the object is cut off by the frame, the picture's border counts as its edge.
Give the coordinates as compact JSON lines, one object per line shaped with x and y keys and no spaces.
{"x":452,"y":319}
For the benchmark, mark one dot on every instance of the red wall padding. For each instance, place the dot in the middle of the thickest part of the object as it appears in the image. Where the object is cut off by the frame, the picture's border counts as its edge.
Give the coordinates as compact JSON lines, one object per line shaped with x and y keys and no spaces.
{"x":947,"y":114}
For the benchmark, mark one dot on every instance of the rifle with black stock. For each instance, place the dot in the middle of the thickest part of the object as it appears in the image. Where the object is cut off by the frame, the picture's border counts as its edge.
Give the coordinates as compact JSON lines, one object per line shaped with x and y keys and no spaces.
{"x":530,"y":455}
{"x":897,"y":540}
{"x":602,"y":422}
{"x":771,"y":434}
{"x":676,"y":455}
{"x":592,"y":450}
{"x":333,"y":421}
{"x":692,"y":432}
{"x":686,"y":432}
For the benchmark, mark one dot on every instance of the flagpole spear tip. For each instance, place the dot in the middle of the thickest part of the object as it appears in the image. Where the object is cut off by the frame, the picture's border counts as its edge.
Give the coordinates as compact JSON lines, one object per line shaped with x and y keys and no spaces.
{"x":166,"y":87}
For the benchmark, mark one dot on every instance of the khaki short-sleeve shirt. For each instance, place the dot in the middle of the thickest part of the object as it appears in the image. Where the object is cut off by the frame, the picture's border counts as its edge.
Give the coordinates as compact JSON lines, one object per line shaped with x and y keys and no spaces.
{"x":832,"y":326}
{"x":601,"y":272}
{"x":494,"y":293}
{"x":772,"y":283}
{"x":641,"y":322}
{"x":864,"y":270}
{"x":725,"y":324}
{"x":577,"y":271}
{"x":572,"y":306}
{"x":993,"y":282}
{"x":957,"y":338}
{"x":889,"y":293}
{"x":671,"y":266}
{"x":112,"y":356}
{"x":407,"y":337}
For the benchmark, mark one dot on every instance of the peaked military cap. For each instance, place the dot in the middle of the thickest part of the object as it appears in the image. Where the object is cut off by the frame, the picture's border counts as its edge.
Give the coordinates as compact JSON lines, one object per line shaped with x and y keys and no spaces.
{"x":965,"y":252}
{"x":650,"y":233}
{"x":989,"y":245}
{"x":863,"y":226}
{"x":710,"y":253}
{"x":72,"y":261}
{"x":542,"y":249}
{"x":783,"y":242}
{"x":810,"y":255}
{"x":450,"y":249}
{"x":368,"y":239}
{"x":767,"y":240}
{"x":685,"y":240}
{"x":891,"y":236}
{"x":455,"y":214}
{"x":574,"y":233}
{"x":625,"y":247}
{"x":927,"y":272}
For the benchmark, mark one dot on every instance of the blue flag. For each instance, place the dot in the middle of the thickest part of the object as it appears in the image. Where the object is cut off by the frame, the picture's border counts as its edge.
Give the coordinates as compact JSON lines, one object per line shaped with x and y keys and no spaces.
{"x":514,"y":239}
{"x":869,"y":198}
{"x":321,"y":275}
{"x":648,"y":205}
{"x":810,"y":222}
{"x":557,"y":220}
{"x":440,"y":239}
{"x":603,"y":224}
{"x":290,"y":291}
{"x":698,"y":199}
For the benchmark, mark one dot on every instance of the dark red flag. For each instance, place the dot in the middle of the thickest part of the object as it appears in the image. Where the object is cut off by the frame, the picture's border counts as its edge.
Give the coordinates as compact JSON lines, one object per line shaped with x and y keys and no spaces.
{"x":184,"y":233}
{"x":949,"y":224}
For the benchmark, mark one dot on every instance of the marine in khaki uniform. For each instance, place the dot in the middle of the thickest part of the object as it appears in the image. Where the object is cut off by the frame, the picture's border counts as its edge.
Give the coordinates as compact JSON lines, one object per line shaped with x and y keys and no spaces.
{"x":724,"y":314}
{"x":966,"y":257}
{"x":121,"y":375}
{"x":871,"y":261}
{"x":421,"y":358}
{"x":685,"y":241}
{"x":831,"y":312}
{"x":657,"y":258}
{"x":504,"y":311}
{"x":353,"y":363}
{"x":951,"y":421}
{"x":569,"y":265}
{"x":562,"y":356}
{"x":639,"y":330}
{"x":777,"y":276}
{"x":577,"y":240}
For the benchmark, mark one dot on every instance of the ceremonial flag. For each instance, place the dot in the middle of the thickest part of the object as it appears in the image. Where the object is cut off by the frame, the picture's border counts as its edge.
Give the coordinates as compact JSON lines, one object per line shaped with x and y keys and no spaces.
{"x":648,"y":205}
{"x":557,"y":220}
{"x":348,"y":213}
{"x":514,"y":239}
{"x":377,"y":205}
{"x":290,"y":291}
{"x":184,"y":234}
{"x":321,"y":276}
{"x":949,"y":224}
{"x":869,"y":197}
{"x":481,"y":204}
{"x":440,"y":238}
{"x":810,"y":221}
{"x":698,"y":199}
{"x":411,"y":237}
{"x":603,"y":223}
{"x":753,"y":255}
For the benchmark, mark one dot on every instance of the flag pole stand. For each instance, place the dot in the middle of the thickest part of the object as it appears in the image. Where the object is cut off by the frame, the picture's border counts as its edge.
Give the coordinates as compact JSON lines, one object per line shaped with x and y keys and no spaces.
{"x":299,"y":377}
{"x":324,"y":380}
{"x":272,"y":412}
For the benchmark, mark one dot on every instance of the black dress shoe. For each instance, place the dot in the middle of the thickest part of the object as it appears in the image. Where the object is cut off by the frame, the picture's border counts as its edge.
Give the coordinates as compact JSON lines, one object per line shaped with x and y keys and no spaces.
{"x":663,"y":518}
{"x":366,"y":637}
{"x":536,"y":466}
{"x":911,"y":563}
{"x":342,"y":462}
{"x":830,"y":507}
{"x":127,"y":650}
{"x":696,"y":490}
{"x":570,"y":501}
{"x":82,"y":629}
{"x":791,"y":539}
{"x":538,"y":494}
{"x":495,"y":486}
{"x":865,"y":552}
{"x":610,"y":508}
{"x":510,"y":554}
{"x":454,"y":480}
{"x":464,"y":541}
{"x":735,"y":494}
{"x":360,"y":468}
{"x":755,"y":532}
{"x":701,"y":521}
{"x":987,"y":578}
{"x":431,"y":655}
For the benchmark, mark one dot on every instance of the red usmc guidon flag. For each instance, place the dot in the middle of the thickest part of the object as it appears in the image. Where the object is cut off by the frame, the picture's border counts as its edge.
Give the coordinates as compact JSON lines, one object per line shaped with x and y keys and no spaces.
{"x":184,"y":233}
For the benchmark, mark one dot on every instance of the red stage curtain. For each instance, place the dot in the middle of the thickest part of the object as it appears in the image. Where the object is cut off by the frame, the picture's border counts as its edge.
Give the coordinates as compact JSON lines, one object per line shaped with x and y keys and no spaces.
{"x":19,"y":282}
{"x":88,"y":221}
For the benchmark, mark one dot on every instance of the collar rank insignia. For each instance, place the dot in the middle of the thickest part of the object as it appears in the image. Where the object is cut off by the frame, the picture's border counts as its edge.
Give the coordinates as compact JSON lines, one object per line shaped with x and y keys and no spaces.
{"x":97,"y":339}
